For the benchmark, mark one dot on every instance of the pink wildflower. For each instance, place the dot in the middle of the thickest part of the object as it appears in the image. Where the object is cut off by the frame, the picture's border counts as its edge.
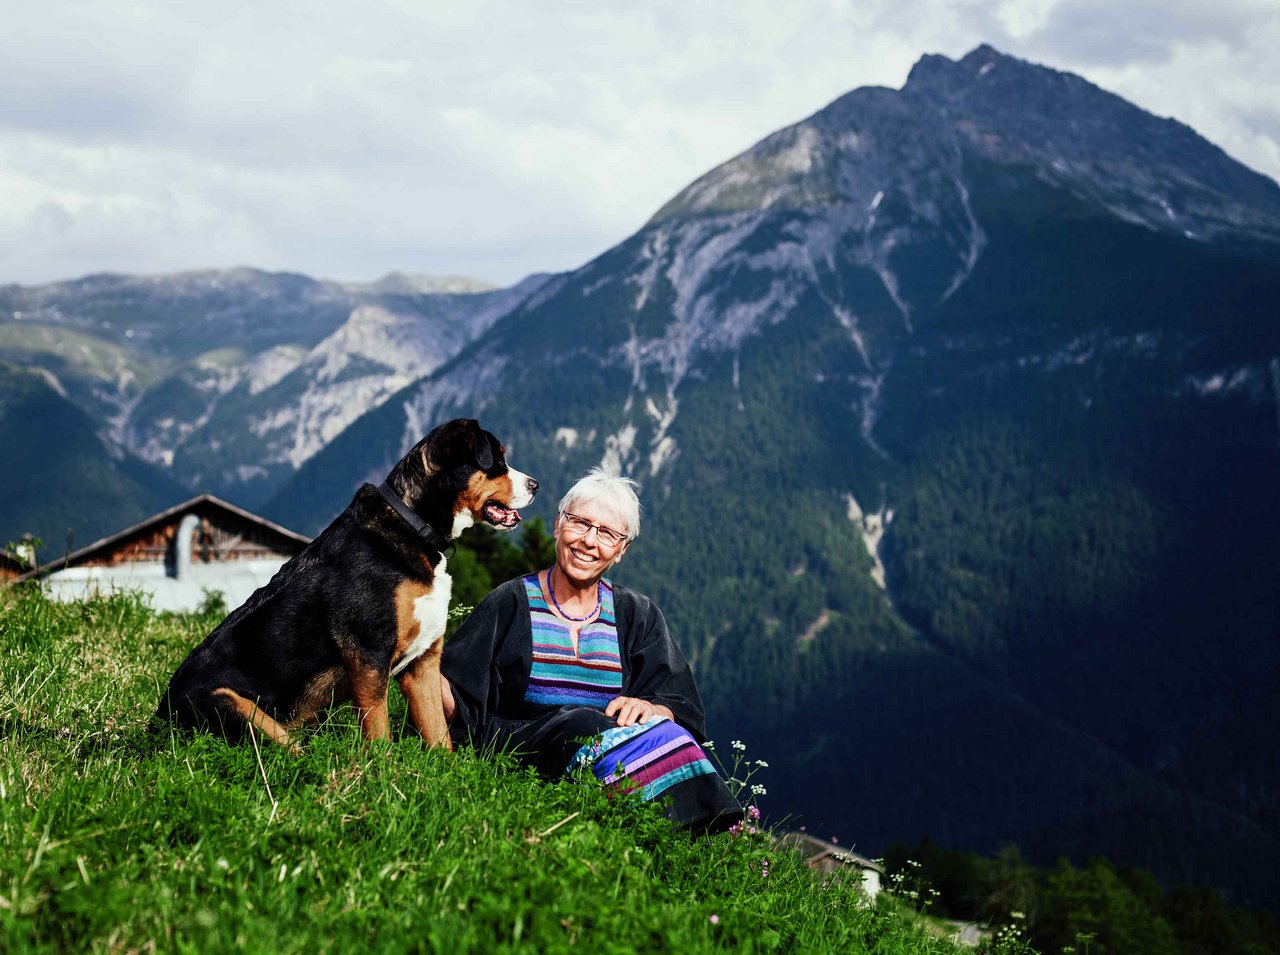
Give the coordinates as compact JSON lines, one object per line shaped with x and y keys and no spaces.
{"x":753,"y":813}
{"x":713,"y":919}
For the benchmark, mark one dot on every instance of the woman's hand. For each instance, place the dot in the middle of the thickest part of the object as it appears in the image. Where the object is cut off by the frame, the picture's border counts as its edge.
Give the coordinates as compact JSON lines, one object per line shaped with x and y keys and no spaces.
{"x":629,"y":710}
{"x":446,"y":700}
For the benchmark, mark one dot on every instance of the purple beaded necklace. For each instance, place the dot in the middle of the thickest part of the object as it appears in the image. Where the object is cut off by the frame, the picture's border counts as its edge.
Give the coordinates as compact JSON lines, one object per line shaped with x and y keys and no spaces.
{"x":551,"y":589}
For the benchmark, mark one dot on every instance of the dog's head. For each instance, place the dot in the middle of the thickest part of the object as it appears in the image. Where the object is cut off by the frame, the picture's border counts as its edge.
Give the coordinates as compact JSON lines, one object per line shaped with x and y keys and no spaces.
{"x":458,"y":475}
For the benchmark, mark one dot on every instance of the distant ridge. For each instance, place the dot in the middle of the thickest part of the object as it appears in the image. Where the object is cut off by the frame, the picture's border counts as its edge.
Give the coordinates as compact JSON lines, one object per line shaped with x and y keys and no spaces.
{"x":399,"y":283}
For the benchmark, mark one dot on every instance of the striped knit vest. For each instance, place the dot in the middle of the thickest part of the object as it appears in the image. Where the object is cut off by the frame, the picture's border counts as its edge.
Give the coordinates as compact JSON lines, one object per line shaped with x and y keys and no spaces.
{"x":559,"y":676}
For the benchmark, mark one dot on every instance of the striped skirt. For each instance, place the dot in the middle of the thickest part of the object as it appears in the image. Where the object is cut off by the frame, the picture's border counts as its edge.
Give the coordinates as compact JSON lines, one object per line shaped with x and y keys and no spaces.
{"x":650,"y":757}
{"x":658,"y":759}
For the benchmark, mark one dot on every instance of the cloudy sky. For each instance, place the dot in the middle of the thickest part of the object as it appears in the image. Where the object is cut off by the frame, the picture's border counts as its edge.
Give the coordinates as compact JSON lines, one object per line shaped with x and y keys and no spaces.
{"x":495,"y":139}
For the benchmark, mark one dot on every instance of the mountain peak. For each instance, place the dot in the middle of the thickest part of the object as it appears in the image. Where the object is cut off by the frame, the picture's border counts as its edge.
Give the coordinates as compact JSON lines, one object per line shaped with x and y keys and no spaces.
{"x":1041,"y":105}
{"x":934,"y":68}
{"x":1015,"y":114}
{"x":402,"y":283}
{"x":1142,"y":167}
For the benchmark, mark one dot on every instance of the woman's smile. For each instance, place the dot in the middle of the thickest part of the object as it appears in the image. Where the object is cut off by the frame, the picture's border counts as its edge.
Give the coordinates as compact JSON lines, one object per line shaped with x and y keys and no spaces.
{"x":588,"y":560}
{"x":583,"y":557}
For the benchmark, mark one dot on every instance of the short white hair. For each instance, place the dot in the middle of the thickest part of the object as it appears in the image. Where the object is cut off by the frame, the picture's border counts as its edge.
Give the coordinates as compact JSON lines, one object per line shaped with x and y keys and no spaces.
{"x":601,"y":485}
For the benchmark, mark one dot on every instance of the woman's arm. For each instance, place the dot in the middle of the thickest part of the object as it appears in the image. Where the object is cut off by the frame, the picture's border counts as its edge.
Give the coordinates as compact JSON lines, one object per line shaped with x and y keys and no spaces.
{"x":657,"y":672}
{"x":469,"y":671}
{"x":447,"y":701}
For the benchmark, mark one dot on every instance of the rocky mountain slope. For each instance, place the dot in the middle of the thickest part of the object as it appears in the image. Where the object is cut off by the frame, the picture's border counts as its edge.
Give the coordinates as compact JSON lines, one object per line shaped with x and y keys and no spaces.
{"x":227,"y":381}
{"x":956,"y":410}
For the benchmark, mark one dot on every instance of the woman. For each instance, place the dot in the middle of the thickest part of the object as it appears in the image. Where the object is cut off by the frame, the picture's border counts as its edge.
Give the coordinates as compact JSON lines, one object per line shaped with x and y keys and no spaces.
{"x":566,"y":670}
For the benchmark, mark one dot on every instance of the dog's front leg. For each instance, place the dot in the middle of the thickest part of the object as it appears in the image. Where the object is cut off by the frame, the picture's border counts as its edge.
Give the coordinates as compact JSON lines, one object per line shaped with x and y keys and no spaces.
{"x":420,"y":684}
{"x":369,"y":694}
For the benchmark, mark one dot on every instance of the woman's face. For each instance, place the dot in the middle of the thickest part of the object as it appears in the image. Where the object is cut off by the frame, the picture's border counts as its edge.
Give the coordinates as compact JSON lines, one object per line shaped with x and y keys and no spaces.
{"x":584,"y":557}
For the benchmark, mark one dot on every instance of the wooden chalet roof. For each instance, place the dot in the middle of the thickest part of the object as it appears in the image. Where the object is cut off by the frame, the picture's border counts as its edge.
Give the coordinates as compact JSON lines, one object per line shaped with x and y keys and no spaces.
{"x":817,"y":851}
{"x":226,"y":532}
{"x":11,"y":565}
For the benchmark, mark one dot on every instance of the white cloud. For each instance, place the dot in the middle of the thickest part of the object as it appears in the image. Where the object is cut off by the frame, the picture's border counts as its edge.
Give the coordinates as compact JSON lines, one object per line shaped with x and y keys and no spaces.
{"x":493,"y":138}
{"x":1024,"y":18}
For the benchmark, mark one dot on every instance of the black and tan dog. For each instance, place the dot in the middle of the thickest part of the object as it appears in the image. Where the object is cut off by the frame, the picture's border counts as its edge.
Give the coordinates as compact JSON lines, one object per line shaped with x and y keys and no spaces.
{"x":366,"y":601}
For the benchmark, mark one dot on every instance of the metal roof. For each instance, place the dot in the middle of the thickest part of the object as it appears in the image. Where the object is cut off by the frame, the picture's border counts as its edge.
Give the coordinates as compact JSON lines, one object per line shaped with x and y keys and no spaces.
{"x":199,"y":500}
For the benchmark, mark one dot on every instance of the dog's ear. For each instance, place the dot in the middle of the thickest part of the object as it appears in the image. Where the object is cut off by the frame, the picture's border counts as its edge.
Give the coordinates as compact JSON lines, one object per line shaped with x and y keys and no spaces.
{"x":478,"y":443}
{"x":461,"y":444}
{"x":429,"y":467}
{"x":483,"y":449}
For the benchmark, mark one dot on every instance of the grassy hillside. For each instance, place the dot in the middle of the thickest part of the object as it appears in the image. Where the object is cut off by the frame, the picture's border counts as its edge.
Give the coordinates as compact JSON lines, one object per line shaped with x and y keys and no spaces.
{"x":80,"y":359}
{"x":112,"y":837}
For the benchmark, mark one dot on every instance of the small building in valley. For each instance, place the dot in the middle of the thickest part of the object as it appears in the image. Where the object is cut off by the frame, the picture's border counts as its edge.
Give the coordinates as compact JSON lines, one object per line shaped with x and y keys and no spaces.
{"x":12,"y":566}
{"x":201,"y":545}
{"x":826,"y":856}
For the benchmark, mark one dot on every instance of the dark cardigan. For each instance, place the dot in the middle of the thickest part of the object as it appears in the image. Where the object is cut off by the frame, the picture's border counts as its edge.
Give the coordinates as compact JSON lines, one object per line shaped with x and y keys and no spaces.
{"x":487,"y":663}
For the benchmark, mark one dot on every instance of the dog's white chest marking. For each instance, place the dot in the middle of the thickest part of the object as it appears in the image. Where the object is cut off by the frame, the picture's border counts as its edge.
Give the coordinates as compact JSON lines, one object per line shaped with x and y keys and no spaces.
{"x":431,"y":611}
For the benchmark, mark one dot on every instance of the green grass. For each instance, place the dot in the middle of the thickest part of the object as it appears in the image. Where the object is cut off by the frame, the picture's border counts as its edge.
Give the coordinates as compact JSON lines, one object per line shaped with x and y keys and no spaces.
{"x":79,"y":353}
{"x":115,"y":837}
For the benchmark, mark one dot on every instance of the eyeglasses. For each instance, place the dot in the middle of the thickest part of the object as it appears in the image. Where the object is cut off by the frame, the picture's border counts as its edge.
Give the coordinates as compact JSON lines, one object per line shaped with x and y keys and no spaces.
{"x":580,"y":527}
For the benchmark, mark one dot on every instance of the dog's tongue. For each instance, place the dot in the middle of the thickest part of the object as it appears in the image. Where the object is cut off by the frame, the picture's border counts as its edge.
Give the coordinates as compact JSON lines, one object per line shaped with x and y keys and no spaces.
{"x":504,"y":516}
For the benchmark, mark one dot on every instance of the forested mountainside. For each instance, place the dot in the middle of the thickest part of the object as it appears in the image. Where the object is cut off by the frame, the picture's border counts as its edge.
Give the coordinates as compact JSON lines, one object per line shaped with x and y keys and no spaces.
{"x":58,"y":471}
{"x":1000,"y":340}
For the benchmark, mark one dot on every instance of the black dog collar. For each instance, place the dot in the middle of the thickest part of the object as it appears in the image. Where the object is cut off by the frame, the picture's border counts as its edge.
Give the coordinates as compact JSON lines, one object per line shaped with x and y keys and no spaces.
{"x":424,"y":530}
